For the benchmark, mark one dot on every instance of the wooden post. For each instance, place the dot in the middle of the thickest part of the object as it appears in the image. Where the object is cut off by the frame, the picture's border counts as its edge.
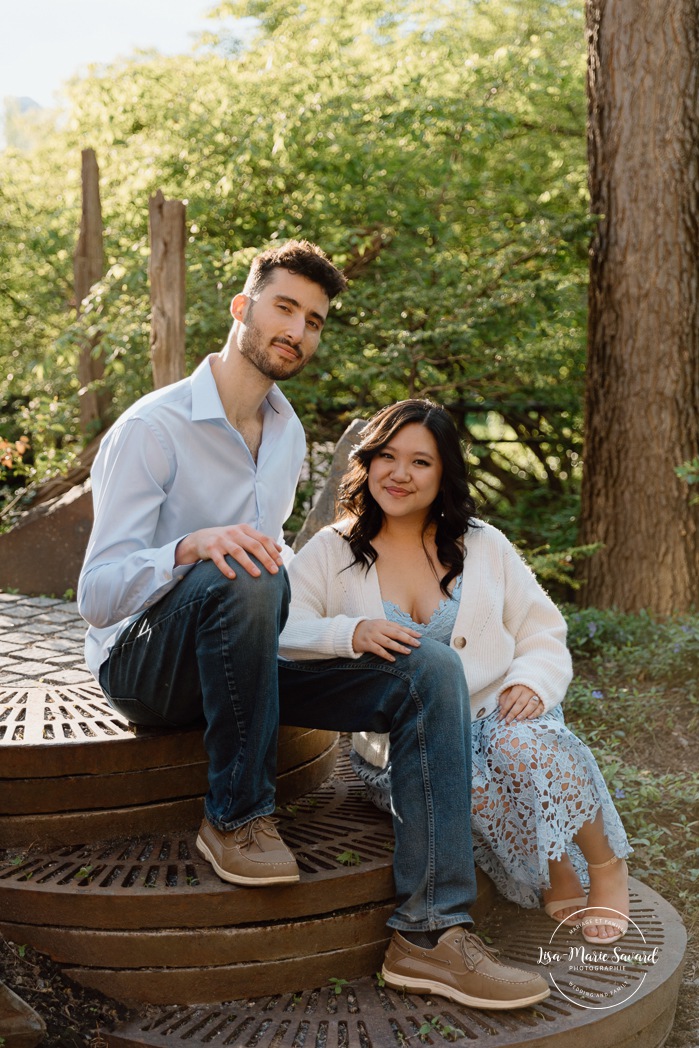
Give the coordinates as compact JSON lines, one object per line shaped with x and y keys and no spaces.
{"x":166,"y":270}
{"x":88,"y":267}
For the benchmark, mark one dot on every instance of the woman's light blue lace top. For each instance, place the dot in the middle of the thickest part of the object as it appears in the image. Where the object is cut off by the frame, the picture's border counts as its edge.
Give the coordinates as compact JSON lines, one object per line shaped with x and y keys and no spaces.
{"x":534,"y":785}
{"x":442,"y":621}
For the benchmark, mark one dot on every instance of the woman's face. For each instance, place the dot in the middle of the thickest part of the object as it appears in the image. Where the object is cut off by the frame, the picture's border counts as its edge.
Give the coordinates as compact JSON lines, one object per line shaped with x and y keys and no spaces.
{"x":405,"y":475}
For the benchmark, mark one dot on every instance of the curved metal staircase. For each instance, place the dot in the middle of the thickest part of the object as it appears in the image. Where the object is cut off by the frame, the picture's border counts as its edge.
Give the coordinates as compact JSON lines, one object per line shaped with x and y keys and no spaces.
{"x":98,"y":869}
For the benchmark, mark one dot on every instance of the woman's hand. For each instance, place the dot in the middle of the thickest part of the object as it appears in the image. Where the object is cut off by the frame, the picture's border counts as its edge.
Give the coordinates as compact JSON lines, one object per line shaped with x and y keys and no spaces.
{"x":519,"y":703}
{"x":381,"y":637}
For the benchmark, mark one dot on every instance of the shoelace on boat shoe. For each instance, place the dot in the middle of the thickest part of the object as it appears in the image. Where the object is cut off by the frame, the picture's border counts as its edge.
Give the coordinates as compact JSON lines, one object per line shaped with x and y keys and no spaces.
{"x":468,"y":939}
{"x":246,"y":834}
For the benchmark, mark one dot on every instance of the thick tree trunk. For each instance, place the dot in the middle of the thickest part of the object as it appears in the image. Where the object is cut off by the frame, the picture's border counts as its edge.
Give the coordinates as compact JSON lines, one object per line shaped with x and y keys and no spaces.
{"x":167,"y":289}
{"x":642,"y":402}
{"x":88,"y":267}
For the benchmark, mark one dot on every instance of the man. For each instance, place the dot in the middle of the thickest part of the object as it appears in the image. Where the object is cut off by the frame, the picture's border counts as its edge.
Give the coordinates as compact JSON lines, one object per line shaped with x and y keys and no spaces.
{"x":186,"y":593}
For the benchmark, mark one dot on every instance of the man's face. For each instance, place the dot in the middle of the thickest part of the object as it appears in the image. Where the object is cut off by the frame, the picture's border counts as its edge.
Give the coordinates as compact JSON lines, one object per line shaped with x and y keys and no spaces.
{"x":279,"y":330}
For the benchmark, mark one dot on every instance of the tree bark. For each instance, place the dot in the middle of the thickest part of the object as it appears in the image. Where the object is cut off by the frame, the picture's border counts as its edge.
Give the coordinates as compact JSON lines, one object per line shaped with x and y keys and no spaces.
{"x":88,"y":267}
{"x":642,"y":396}
{"x":166,"y":271}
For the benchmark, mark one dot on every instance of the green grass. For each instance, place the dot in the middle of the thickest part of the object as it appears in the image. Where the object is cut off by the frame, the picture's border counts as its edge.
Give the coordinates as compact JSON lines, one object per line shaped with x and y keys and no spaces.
{"x":635,"y":702}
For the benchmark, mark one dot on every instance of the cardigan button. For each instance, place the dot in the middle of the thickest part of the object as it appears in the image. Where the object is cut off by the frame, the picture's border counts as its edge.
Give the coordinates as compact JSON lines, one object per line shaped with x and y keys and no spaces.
{"x":481,"y":712}
{"x":459,"y":642}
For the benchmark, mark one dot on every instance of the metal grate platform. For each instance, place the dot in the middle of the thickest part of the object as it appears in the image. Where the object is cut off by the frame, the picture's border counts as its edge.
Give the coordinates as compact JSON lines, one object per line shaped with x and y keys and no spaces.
{"x":143,"y":916}
{"x":43,"y":729}
{"x":139,"y":883}
{"x":360,"y":1013}
{"x":149,"y":920}
{"x":71,"y":769}
{"x":49,"y":730}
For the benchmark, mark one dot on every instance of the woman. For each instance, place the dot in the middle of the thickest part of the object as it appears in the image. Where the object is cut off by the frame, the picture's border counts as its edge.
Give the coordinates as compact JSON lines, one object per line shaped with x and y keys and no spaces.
{"x":408,"y":559}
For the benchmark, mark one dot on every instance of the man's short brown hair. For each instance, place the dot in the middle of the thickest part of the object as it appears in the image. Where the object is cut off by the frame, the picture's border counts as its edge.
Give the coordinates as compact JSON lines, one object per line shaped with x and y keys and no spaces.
{"x":299,"y":257}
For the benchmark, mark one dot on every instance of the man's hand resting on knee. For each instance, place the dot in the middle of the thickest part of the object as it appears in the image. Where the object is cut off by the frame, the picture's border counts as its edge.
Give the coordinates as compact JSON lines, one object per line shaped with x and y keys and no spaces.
{"x":236,"y":541}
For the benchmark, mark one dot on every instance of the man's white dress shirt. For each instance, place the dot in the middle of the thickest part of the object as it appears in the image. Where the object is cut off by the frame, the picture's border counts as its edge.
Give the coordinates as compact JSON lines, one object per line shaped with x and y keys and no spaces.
{"x":170,"y":465}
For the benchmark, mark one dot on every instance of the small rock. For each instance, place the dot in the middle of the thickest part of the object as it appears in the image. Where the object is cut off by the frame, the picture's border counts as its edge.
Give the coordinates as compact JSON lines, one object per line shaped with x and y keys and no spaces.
{"x":20,"y":1026}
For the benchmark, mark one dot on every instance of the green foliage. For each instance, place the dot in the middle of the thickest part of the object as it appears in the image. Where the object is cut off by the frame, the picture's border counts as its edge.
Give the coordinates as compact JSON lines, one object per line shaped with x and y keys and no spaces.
{"x":640,"y":646}
{"x":553,"y":566}
{"x":689,"y":473}
{"x":437,"y":151}
{"x":446,"y":1030}
{"x":337,"y":985}
{"x":635,"y":702}
{"x":349,"y":858}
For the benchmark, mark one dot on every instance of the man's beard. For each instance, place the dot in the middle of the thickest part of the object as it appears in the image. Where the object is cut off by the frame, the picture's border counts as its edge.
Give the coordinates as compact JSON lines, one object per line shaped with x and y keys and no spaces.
{"x":250,"y":346}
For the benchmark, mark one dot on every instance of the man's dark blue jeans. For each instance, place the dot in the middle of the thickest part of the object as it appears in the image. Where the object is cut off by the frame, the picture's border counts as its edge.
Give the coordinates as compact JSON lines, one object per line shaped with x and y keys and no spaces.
{"x":209,"y":647}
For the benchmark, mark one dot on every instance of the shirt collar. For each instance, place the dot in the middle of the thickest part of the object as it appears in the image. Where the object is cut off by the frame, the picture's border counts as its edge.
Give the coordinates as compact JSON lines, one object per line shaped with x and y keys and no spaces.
{"x":206,"y":403}
{"x":278,"y":402}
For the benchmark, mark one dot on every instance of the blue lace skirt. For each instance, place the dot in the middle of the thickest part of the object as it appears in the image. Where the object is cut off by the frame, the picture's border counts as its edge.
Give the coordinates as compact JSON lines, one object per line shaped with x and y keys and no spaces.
{"x":534,"y":785}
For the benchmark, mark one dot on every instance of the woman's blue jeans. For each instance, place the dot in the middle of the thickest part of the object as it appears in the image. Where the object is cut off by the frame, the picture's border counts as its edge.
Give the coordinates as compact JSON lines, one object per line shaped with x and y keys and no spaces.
{"x":209,"y":648}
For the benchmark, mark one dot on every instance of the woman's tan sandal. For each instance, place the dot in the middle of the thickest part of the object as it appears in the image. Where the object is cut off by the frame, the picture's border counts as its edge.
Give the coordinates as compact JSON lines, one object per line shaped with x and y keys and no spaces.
{"x":619,"y":922}
{"x":555,"y":906}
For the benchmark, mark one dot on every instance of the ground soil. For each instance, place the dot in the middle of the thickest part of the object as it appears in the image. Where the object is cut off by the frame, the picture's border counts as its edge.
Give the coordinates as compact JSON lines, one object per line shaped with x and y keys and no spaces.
{"x":669,"y":746}
{"x":74,"y":1017}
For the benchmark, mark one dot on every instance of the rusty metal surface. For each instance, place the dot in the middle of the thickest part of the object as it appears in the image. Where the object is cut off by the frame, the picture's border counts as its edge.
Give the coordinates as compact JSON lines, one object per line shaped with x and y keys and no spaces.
{"x":38,"y":719}
{"x":211,"y":984}
{"x":94,"y":792}
{"x":72,"y":770}
{"x":137,"y":900}
{"x":157,"y":901}
{"x":55,"y":721}
{"x":49,"y":730}
{"x":161,"y":881}
{"x":360,"y":1013}
{"x":134,"y":814}
{"x":20,"y":1025}
{"x":191,"y":948}
{"x":107,"y":789}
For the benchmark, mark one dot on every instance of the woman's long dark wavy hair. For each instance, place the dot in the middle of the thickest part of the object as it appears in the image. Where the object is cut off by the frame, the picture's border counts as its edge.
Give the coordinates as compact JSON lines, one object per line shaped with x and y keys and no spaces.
{"x":453,"y":511}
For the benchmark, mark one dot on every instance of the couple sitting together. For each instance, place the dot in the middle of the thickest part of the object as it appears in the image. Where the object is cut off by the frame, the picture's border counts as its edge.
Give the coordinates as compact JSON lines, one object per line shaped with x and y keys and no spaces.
{"x":408,"y":622}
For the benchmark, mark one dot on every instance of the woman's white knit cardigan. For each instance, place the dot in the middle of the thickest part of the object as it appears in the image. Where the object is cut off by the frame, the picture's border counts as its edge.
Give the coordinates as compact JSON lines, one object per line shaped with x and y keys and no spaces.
{"x":507,"y":630}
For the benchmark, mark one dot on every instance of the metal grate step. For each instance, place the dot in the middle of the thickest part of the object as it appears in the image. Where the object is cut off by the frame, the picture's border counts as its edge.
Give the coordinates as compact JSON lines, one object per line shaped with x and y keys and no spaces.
{"x":360,"y":1013}
{"x":72,"y":770}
